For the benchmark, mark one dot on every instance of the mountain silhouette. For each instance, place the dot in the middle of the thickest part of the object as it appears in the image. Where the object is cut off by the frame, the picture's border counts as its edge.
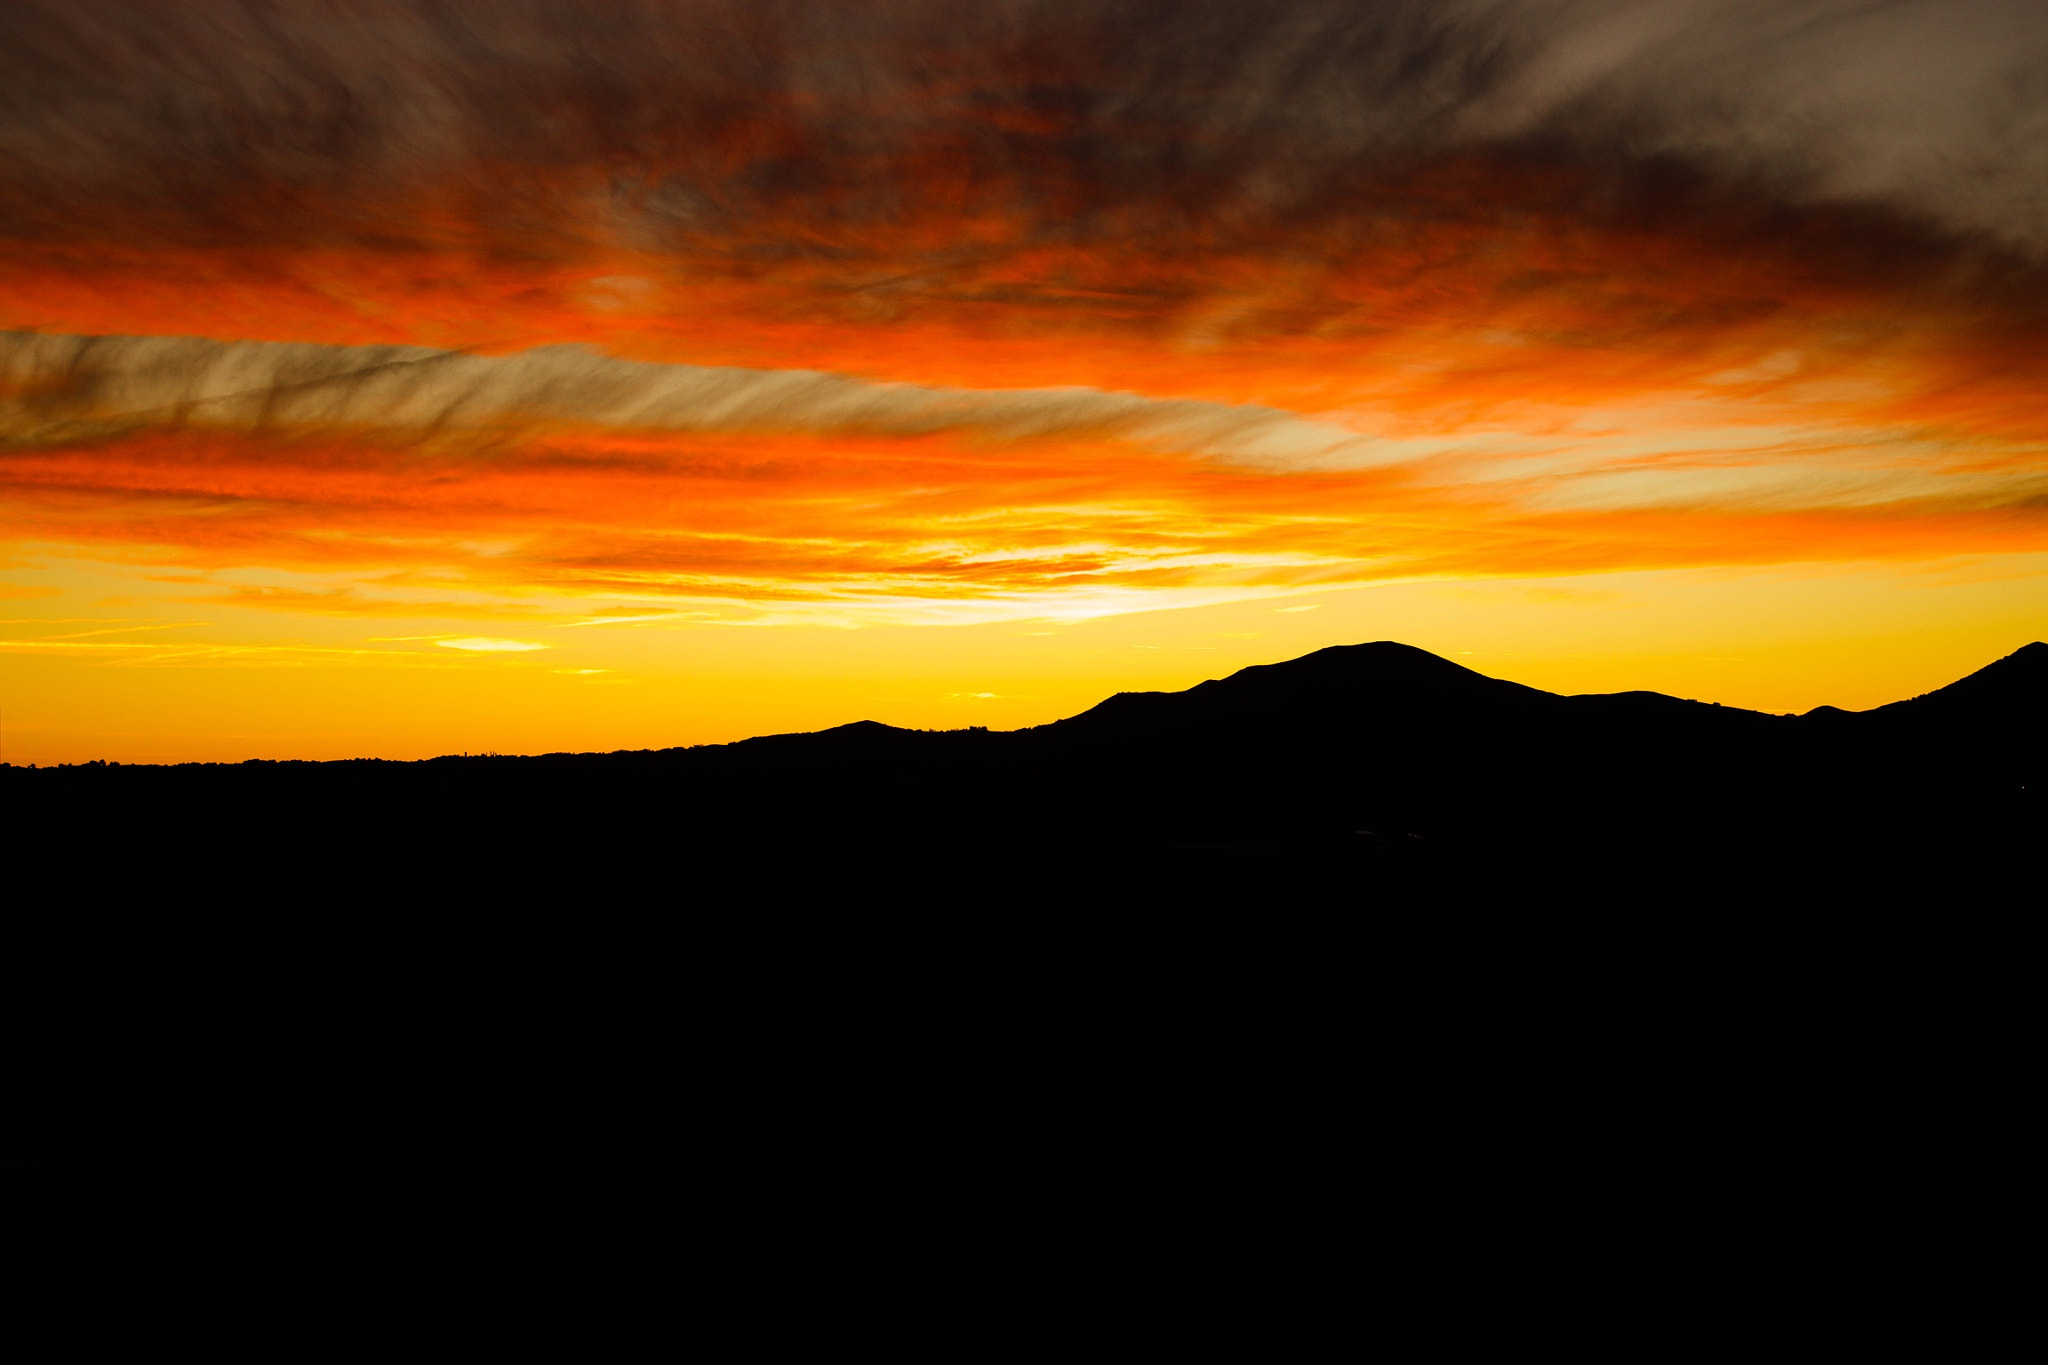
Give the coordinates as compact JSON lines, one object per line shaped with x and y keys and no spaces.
{"x":2010,"y":691}
{"x":1370,"y":765}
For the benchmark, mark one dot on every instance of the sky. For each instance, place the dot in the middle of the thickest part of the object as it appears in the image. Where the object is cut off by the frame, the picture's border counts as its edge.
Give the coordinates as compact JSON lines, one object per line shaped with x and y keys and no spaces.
{"x":403,"y":377}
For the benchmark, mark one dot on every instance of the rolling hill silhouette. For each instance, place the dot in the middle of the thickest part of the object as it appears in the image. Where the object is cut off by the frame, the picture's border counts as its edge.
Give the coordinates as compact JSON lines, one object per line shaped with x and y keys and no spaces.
{"x":1361,"y":761}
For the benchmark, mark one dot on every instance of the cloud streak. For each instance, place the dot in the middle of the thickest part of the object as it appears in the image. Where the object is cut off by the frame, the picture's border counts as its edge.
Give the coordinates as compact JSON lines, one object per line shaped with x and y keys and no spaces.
{"x":751,"y":127}
{"x":64,"y":389}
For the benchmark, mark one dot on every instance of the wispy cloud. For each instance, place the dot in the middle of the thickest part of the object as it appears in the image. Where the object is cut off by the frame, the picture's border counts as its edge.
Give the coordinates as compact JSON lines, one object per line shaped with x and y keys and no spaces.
{"x":66,"y":389}
{"x":353,"y":602}
{"x":484,"y":644}
{"x":731,"y":130}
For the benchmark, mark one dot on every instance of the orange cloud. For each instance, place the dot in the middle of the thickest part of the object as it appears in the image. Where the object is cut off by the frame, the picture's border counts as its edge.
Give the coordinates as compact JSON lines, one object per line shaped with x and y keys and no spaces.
{"x":1152,"y":354}
{"x":889,"y":522}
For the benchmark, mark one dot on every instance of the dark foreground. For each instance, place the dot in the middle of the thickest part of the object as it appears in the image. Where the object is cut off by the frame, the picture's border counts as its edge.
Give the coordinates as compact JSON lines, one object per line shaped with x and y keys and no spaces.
{"x":1358,"y":771}
{"x":1360,"y":937}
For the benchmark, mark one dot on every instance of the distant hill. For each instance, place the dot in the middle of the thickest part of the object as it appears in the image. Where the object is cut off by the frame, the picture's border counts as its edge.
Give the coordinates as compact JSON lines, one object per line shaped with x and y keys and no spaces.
{"x":2009,"y":692}
{"x":1377,"y":761}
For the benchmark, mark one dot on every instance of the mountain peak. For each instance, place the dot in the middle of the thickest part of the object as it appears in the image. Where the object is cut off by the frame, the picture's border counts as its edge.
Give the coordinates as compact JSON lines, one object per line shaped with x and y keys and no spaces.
{"x":1342,"y":684}
{"x":1375,"y":664}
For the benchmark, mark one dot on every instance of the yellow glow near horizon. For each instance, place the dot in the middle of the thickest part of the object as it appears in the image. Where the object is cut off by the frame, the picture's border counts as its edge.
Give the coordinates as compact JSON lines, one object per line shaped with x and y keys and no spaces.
{"x":119,"y":665}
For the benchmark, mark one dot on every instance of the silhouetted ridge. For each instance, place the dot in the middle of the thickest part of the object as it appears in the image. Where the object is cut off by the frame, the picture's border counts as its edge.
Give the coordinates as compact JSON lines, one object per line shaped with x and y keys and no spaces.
{"x":2015,"y":688}
{"x":1382,"y":760}
{"x":859,"y":734}
{"x":1344,"y":685}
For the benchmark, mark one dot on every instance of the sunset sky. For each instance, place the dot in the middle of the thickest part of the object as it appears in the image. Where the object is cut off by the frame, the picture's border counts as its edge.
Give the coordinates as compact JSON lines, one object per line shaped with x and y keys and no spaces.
{"x":399,"y":377}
